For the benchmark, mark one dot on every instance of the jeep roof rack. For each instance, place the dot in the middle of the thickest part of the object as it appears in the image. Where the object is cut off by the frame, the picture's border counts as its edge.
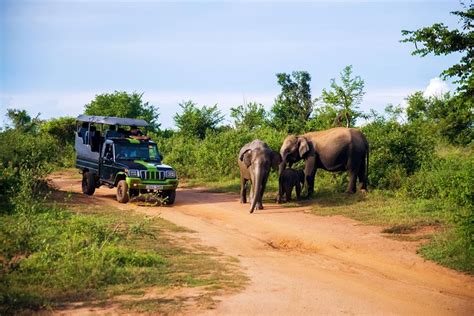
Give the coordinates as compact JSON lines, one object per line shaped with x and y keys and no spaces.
{"x":110,"y":120}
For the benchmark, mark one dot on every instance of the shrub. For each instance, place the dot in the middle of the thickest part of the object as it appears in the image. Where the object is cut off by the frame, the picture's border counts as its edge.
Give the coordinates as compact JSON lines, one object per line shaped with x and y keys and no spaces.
{"x":396,"y":151}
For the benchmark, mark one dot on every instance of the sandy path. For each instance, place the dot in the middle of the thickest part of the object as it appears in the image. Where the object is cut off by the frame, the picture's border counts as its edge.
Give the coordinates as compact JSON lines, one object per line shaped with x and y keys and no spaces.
{"x":299,"y":263}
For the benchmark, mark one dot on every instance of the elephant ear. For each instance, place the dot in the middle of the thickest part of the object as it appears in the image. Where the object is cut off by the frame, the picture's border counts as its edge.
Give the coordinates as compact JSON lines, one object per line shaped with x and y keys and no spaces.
{"x":276,"y":160}
{"x":303,"y":146}
{"x":246,"y":157}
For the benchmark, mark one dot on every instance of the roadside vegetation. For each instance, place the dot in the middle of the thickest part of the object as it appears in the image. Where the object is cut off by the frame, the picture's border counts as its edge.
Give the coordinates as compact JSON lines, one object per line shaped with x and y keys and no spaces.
{"x":420,"y":176}
{"x":56,"y":249}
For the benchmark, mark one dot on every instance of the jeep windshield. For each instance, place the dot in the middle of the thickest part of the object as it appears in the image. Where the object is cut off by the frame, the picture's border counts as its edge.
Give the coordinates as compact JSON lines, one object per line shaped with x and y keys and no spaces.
{"x":146,"y":152}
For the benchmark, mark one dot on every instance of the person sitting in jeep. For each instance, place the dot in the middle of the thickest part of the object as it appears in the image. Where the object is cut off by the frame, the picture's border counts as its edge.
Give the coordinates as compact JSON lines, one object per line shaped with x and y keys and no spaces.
{"x":137,"y":134}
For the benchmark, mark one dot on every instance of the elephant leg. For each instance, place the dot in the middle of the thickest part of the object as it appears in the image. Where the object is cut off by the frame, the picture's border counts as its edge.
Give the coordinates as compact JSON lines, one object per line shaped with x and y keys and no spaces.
{"x":280,"y":190}
{"x":352,"y":181}
{"x":298,"y":190}
{"x":309,"y":172}
{"x":243,"y":190}
{"x":288,"y":190}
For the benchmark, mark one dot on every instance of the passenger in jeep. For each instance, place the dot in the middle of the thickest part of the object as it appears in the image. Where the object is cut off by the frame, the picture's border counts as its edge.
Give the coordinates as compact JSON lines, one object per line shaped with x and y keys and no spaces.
{"x":137,"y":134}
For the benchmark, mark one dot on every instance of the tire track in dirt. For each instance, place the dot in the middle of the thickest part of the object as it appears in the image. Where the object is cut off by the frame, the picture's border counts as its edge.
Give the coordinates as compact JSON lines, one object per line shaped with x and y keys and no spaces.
{"x":299,"y":263}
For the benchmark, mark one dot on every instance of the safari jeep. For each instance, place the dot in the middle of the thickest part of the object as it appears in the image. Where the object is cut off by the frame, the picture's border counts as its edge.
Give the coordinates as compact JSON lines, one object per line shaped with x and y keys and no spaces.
{"x":109,"y":154}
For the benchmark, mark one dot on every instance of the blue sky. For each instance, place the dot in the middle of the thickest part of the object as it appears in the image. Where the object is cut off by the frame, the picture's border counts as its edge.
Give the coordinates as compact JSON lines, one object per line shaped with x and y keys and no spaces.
{"x":55,"y":56}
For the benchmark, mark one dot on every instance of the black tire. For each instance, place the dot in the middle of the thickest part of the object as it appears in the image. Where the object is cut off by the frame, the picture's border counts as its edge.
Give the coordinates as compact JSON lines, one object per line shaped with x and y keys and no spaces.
{"x":122,"y":192}
{"x":88,"y":183}
{"x":170,"y":197}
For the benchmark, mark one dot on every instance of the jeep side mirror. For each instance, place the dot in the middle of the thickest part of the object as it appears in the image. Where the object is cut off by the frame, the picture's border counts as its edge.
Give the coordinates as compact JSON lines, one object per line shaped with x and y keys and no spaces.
{"x":161,"y":156}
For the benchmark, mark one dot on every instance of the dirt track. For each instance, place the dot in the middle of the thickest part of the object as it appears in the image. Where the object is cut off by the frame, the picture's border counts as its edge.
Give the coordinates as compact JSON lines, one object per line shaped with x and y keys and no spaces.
{"x":299,"y":263}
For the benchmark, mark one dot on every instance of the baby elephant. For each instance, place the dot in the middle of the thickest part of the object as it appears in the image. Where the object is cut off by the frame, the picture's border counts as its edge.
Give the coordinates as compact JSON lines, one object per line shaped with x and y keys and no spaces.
{"x":289,"y":179}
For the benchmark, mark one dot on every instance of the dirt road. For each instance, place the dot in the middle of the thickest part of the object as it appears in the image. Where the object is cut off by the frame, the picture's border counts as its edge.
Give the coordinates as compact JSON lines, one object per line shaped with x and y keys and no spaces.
{"x":303,"y":264}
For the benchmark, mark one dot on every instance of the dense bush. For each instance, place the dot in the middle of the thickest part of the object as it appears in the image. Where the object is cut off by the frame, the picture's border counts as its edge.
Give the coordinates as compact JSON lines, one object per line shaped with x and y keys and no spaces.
{"x":448,"y":179}
{"x":214,"y":157}
{"x":396,"y":151}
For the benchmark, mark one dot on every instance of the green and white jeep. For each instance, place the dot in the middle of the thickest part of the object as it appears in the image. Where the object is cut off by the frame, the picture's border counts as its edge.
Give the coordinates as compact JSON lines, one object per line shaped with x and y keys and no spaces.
{"x":110,"y":156}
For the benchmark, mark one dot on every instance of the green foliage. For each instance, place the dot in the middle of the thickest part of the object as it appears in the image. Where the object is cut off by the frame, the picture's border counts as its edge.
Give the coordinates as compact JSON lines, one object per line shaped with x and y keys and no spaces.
{"x":293,"y":106}
{"x":249,"y":116}
{"x":396,"y":151}
{"x":61,"y":128}
{"x":345,"y":98}
{"x":448,"y":116}
{"x":24,"y":154}
{"x":22,"y":121}
{"x":439,"y":40}
{"x":195,"y":122}
{"x":448,"y":178}
{"x":123,"y":104}
{"x":215,"y":156}
{"x":323,"y":118}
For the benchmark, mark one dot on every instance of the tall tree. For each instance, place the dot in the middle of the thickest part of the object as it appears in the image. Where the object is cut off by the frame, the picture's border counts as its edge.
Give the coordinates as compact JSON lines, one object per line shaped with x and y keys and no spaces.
{"x":22,"y":121}
{"x":123,"y":104}
{"x":293,"y":106}
{"x":249,"y":116}
{"x":195,"y":121}
{"x":438,"y":39}
{"x":345,"y":97}
{"x":447,"y":116}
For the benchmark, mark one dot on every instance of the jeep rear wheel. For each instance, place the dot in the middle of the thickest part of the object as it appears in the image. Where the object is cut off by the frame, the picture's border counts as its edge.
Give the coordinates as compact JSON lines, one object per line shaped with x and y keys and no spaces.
{"x":122,"y":192}
{"x":170,"y":196}
{"x":88,"y":183}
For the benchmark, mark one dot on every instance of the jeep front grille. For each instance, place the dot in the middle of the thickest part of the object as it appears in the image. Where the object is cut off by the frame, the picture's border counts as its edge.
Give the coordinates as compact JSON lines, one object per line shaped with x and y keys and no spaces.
{"x":152,"y":175}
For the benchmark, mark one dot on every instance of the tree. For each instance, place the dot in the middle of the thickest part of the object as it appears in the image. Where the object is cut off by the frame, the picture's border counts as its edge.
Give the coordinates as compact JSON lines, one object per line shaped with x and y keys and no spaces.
{"x":249,"y":116}
{"x":22,"y":121}
{"x":439,"y":40}
{"x":448,"y":116}
{"x":61,"y":128}
{"x":123,"y":104}
{"x":323,"y":118}
{"x":194,"y":121}
{"x":293,"y":106}
{"x":346,"y":97}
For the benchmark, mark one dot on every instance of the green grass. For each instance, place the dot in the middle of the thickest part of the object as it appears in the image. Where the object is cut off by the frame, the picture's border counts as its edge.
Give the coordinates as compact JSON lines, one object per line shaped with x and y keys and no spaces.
{"x":89,"y":254}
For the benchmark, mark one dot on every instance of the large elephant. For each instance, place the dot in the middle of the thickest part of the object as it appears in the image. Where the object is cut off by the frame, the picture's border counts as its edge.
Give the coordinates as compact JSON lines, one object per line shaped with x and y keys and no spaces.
{"x":336,"y":149}
{"x":255,"y":161}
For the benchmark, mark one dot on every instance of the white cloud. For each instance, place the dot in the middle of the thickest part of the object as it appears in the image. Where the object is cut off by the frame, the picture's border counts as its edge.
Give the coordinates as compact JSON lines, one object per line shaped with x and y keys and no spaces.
{"x":436,"y":88}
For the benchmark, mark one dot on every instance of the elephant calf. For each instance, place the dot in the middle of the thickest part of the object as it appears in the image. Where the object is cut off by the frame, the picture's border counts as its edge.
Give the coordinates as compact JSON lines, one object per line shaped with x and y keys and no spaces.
{"x":289,"y":179}
{"x":255,"y":161}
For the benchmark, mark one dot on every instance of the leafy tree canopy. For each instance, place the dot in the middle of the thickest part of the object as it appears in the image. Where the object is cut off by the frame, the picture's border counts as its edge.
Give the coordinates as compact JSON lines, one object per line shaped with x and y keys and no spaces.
{"x":439,"y":40}
{"x":450,"y":117}
{"x":123,"y":104}
{"x":293,"y":106}
{"x":196,"y":121}
{"x":345,"y":97}
{"x":249,"y":116}
{"x":61,"y":128}
{"x":22,"y":121}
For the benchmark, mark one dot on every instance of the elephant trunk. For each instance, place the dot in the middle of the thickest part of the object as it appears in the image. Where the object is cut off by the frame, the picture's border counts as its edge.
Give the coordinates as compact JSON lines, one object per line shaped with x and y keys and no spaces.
{"x":282,"y":165}
{"x":257,"y":188}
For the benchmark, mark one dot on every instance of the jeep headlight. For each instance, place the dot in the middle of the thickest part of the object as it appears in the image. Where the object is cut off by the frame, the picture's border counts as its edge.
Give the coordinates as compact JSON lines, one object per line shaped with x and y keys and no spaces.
{"x":170,"y":174}
{"x":134,"y":173}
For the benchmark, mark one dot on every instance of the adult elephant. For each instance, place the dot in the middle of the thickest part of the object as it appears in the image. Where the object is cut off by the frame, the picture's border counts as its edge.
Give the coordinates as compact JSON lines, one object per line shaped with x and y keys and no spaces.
{"x":255,"y":161}
{"x":336,"y":149}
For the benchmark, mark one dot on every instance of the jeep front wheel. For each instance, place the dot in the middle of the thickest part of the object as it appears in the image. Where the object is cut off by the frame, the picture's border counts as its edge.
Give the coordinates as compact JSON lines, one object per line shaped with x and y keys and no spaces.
{"x":88,"y":183}
{"x":169,"y":196}
{"x":122,"y":192}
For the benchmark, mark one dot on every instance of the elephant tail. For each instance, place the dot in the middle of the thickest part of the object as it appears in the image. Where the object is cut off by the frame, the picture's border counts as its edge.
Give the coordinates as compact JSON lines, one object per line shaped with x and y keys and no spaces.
{"x":367,"y":167}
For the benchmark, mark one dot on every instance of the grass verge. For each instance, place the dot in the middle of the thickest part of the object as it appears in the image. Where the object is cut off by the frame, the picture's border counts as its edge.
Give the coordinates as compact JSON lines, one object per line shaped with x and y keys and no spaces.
{"x":89,"y":254}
